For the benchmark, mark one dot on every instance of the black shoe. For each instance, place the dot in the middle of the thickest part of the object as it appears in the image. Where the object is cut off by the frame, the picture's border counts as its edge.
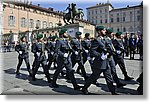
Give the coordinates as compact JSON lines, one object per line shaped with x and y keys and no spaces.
{"x":120,"y":85}
{"x":86,"y":77}
{"x":85,"y":92}
{"x":55,"y":85}
{"x":33,"y":78}
{"x":30,"y":74}
{"x":49,"y":80}
{"x":115,"y":94}
{"x":67,"y":77}
{"x":127,"y":78}
{"x":77,"y":87}
{"x":17,"y":73}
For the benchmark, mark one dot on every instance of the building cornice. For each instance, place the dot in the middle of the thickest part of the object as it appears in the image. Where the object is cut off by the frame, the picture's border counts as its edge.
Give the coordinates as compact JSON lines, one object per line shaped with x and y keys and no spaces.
{"x":100,"y":5}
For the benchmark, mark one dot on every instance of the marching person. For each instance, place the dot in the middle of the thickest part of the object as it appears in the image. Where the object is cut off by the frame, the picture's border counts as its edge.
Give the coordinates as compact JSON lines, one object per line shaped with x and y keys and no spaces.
{"x":76,"y":56}
{"x":63,"y":50}
{"x":110,"y":60}
{"x":118,"y":58}
{"x":50,"y":47}
{"x":39,"y":51}
{"x":98,"y":51}
{"x":22,"y":49}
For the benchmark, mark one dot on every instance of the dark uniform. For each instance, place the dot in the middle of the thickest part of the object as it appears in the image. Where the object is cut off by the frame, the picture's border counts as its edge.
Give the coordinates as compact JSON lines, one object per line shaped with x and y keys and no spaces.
{"x":140,"y":43}
{"x":98,"y":50}
{"x":76,"y":56}
{"x":140,"y":80}
{"x":127,"y":48}
{"x":110,"y":60}
{"x":35,"y":56}
{"x":63,"y":49}
{"x":118,"y":58}
{"x":39,"y":51}
{"x":21,"y":48}
{"x":132,"y":44}
{"x":86,"y":44}
{"x":50,"y":47}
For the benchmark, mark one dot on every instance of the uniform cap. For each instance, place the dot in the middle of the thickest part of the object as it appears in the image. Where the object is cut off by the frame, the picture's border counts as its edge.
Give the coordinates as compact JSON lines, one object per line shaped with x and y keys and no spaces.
{"x":87,"y":34}
{"x":100,"y":28}
{"x":118,"y":33}
{"x":62,"y":31}
{"x":39,"y":36}
{"x":110,"y":30}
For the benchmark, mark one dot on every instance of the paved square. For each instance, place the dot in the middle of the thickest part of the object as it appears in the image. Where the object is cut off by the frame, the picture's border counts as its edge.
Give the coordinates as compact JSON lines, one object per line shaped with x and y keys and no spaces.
{"x":12,"y":84}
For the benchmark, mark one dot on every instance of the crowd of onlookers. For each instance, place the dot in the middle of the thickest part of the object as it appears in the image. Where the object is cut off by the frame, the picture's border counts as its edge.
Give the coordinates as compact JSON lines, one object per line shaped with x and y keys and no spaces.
{"x":133,"y":44}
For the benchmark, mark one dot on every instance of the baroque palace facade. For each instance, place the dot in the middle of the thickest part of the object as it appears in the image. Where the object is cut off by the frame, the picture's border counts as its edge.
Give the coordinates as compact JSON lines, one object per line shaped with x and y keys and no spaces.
{"x":127,"y":19}
{"x":19,"y":18}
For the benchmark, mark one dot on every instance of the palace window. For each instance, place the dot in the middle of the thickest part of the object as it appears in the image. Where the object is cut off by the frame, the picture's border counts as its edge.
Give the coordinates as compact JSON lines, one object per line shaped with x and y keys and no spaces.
{"x":44,"y":24}
{"x":117,"y":19}
{"x":11,"y":21}
{"x":118,"y":29}
{"x":105,"y":20}
{"x":124,"y":29}
{"x":50,"y":24}
{"x":124,"y":19}
{"x":38,"y":24}
{"x":31,"y":23}
{"x":23,"y":22}
{"x":111,"y":20}
{"x":138,"y":18}
{"x":101,"y":21}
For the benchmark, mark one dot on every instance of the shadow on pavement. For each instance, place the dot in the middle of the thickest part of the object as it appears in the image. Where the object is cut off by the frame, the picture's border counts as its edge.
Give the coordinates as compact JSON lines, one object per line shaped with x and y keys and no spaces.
{"x":22,"y":76}
{"x":122,"y":90}
{"x":67,"y":90}
{"x":10,"y":71}
{"x":39,"y":82}
{"x":128,"y":82}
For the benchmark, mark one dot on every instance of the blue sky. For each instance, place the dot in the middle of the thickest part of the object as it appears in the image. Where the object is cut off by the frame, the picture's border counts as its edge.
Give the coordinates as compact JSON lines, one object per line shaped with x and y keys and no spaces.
{"x":62,"y":4}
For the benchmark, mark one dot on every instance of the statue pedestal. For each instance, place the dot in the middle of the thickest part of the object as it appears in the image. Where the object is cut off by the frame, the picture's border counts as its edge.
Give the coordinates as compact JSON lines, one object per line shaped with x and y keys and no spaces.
{"x":73,"y":28}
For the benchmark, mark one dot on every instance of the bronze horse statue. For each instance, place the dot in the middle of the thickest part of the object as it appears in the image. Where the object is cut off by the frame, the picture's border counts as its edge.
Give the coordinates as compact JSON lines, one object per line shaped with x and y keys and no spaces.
{"x":72,"y":14}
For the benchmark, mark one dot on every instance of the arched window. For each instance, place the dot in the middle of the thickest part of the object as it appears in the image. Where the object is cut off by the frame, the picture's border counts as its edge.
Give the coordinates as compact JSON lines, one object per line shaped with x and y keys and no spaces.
{"x":44,"y":24}
{"x":31,"y":23}
{"x":50,"y":24}
{"x":23,"y":22}
{"x":38,"y":24}
{"x":11,"y":21}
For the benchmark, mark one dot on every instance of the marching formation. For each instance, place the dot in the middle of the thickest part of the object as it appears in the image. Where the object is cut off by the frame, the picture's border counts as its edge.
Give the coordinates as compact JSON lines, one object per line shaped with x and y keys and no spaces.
{"x":103,"y":54}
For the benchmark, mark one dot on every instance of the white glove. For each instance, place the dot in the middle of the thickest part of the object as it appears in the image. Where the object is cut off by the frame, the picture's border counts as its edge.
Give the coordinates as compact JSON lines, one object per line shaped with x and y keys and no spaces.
{"x":20,"y":52}
{"x":66,"y":55}
{"x":86,"y":51}
{"x":38,"y":53}
{"x":88,"y":58}
{"x":118,"y":52}
{"x":76,"y":53}
{"x":103,"y":57}
{"x":52,"y":53}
